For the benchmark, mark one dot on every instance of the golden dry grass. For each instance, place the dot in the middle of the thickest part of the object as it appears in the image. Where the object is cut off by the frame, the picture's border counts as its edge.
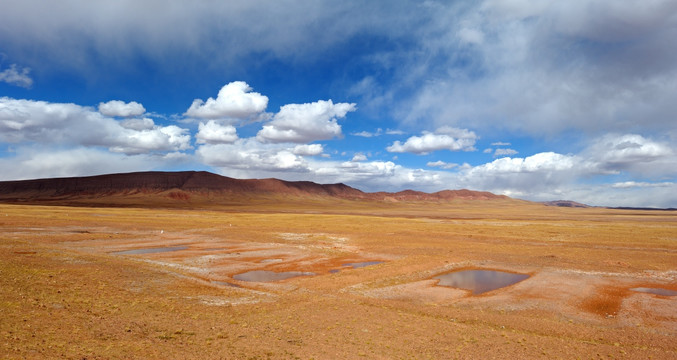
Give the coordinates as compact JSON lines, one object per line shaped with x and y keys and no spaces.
{"x":65,"y":294}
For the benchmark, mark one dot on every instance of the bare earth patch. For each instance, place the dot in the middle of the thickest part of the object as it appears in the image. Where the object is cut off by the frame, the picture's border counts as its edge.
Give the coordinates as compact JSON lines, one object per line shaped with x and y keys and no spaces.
{"x":69,"y":289}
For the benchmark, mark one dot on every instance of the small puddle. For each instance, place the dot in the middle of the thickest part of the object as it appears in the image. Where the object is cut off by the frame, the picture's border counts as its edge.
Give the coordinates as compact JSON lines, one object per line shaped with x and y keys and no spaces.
{"x":656,"y":291}
{"x":479,"y":281}
{"x":268,"y":276}
{"x":356,"y":265}
{"x":151,"y":250}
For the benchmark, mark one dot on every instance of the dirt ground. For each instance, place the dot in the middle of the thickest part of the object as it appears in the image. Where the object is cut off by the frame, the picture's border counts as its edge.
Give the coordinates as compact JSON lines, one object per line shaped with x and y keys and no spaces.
{"x":67,"y":290}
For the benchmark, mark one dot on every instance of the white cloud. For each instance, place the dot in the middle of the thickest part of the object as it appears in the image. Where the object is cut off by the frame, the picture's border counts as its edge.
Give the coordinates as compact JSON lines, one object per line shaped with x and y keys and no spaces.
{"x":301,"y":123}
{"x":368,"y":134}
{"x":471,"y":36}
{"x":162,"y":138}
{"x":121,"y":109}
{"x":28,"y":121}
{"x":138,"y":124}
{"x":444,"y":138}
{"x":15,"y":76}
{"x":573,"y":64}
{"x":504,"y":152}
{"x":632,"y":152}
{"x":234,"y":101}
{"x":308,"y":149}
{"x":547,"y":161}
{"x":252,"y":156}
{"x":640,"y":184}
{"x":216,"y":34}
{"x":500,"y":143}
{"x":441,"y":164}
{"x":33,"y":163}
{"x":359,"y":157}
{"x":214,"y":133}
{"x":534,"y":174}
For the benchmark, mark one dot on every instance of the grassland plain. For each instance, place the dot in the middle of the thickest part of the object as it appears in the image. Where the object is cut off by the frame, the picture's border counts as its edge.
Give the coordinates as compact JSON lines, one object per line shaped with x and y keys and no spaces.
{"x":66,"y":293}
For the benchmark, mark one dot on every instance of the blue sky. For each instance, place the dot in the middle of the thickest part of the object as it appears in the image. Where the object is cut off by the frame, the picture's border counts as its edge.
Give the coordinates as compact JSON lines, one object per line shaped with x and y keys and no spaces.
{"x":538,"y":100}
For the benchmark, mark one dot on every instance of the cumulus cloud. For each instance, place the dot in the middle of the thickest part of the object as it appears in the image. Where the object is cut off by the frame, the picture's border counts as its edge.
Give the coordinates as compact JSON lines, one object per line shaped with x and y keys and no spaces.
{"x":252,"y":156}
{"x":16,"y":76}
{"x":549,"y":175}
{"x":234,"y":101}
{"x":121,"y":109}
{"x":308,"y":149}
{"x":40,"y":162}
{"x":631,"y":152}
{"x":162,"y":138}
{"x":444,"y":138}
{"x":214,"y":133}
{"x":301,"y":123}
{"x":368,"y":134}
{"x":28,"y":121}
{"x":504,"y":152}
{"x":359,"y":157}
{"x":138,"y":124}
{"x":441,"y":164}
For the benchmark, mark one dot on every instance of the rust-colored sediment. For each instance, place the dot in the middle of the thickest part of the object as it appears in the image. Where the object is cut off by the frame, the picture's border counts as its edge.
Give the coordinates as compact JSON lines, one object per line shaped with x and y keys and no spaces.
{"x":67,"y":294}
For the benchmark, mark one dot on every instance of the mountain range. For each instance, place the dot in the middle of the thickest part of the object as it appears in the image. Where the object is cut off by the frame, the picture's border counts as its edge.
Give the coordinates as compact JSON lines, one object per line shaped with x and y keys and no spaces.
{"x":200,"y":187}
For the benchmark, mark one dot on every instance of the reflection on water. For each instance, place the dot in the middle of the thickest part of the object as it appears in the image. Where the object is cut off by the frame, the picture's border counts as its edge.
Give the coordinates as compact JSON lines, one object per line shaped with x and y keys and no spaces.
{"x":479,"y":281}
{"x":151,"y":250}
{"x":268,"y":276}
{"x":656,"y":291}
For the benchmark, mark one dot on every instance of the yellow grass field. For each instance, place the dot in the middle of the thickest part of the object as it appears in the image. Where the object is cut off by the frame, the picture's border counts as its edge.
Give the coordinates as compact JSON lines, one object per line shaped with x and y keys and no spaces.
{"x":66,"y":292}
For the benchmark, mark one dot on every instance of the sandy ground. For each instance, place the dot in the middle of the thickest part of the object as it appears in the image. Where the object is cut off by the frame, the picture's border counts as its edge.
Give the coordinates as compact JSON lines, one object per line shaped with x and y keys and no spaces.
{"x":67,"y":292}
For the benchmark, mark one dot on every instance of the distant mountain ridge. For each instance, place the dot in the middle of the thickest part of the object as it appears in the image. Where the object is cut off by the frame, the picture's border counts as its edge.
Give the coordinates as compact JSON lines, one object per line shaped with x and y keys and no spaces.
{"x":566,"y":203}
{"x":185,"y":185}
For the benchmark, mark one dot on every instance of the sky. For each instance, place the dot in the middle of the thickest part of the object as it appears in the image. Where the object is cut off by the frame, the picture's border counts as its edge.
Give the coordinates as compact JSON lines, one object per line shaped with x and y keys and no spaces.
{"x":535,"y":99}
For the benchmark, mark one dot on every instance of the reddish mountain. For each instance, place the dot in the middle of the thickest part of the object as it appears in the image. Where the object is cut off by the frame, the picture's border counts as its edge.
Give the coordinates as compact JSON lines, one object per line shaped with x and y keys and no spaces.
{"x":188,"y":185}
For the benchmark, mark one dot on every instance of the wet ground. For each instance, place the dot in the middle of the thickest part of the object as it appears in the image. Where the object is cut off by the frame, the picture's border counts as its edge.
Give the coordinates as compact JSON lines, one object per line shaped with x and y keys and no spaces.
{"x":121,"y":283}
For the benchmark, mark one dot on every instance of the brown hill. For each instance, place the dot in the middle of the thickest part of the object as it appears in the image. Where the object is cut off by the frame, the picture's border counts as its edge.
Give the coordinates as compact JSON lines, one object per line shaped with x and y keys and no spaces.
{"x":162,"y":188}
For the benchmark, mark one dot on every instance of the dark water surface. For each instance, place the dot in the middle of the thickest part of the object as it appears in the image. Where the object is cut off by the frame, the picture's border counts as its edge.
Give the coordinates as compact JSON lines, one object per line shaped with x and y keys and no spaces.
{"x":479,"y":281}
{"x":656,"y":291}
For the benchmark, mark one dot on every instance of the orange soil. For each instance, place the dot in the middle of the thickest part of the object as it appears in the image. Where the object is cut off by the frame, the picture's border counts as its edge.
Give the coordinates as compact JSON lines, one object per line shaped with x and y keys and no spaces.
{"x":66,"y":294}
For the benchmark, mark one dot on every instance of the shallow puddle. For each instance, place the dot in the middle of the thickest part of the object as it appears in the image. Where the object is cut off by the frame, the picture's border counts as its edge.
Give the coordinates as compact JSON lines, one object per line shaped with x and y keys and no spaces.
{"x":479,"y":281}
{"x":268,"y":276}
{"x":356,"y":265}
{"x":151,"y":250}
{"x":656,"y":291}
